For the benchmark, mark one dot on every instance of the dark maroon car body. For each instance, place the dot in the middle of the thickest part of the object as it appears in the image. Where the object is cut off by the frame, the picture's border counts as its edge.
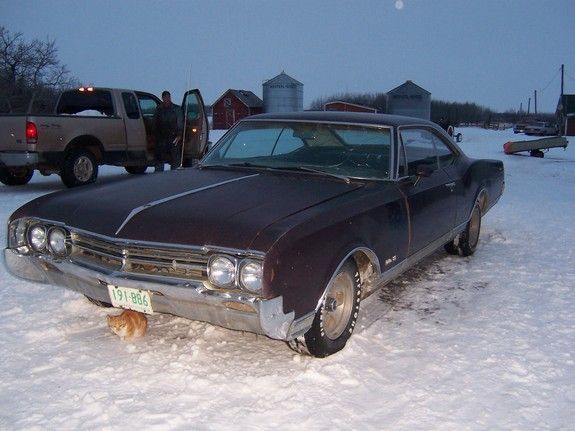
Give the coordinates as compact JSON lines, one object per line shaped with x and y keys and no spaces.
{"x":301,"y":225}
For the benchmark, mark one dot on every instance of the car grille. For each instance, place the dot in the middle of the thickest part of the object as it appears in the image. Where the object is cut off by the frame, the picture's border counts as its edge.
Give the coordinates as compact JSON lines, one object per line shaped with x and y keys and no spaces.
{"x":138,"y":259}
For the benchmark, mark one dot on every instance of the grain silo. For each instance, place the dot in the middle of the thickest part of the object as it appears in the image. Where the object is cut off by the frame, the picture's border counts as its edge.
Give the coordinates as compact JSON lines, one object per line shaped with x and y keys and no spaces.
{"x":283,"y":94}
{"x":409,"y":99}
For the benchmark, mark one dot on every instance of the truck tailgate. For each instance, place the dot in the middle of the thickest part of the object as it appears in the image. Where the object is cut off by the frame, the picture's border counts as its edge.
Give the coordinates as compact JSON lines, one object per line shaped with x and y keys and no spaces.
{"x":13,"y":132}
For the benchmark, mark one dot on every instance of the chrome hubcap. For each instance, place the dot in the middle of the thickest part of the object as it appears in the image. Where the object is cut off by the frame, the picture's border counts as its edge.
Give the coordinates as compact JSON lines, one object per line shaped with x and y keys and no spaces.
{"x":474,"y":224}
{"x":338,"y":306}
{"x":83,"y":168}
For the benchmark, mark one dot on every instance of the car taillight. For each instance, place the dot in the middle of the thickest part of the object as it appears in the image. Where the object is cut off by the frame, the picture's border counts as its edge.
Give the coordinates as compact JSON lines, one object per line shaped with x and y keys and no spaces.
{"x":31,"y":132}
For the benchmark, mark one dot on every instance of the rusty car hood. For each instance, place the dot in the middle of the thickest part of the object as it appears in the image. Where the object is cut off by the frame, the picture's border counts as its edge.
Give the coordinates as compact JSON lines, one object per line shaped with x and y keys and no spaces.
{"x":208,"y":207}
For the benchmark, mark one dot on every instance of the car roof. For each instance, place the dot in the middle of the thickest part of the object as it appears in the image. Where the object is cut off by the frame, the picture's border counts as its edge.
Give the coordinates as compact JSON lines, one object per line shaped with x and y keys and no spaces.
{"x":344,"y":117}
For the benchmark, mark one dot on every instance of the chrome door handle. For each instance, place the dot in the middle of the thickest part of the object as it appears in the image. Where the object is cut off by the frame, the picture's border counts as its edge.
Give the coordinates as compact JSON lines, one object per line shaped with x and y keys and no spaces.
{"x":450,"y":186}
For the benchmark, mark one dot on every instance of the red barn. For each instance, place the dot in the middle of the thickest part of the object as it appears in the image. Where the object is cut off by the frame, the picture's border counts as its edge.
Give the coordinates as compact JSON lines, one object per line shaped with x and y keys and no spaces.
{"x":347,"y":107}
{"x":566,"y":115}
{"x":234,"y":105}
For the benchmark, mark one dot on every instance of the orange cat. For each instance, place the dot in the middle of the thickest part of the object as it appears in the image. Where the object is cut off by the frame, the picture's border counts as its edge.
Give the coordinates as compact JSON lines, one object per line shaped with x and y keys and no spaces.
{"x":128,"y":324}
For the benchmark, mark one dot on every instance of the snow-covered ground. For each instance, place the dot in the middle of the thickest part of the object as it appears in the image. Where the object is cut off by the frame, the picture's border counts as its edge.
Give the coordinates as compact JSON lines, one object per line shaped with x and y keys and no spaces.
{"x":479,"y":343}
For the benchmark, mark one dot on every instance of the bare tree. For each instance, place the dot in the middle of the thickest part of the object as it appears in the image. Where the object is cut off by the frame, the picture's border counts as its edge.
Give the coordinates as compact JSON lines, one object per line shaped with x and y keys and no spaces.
{"x":29,"y":71}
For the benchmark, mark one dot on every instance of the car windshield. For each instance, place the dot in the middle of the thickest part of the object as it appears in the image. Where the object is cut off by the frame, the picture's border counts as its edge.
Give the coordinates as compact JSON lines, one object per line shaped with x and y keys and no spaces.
{"x":349,"y":151}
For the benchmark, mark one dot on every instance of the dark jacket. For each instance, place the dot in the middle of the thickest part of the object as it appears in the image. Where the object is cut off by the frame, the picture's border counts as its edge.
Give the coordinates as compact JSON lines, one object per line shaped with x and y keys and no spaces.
{"x":169,"y":122}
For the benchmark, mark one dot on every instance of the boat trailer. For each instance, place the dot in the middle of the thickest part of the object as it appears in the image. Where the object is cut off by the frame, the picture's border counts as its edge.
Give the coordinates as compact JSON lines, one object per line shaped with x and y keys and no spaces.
{"x":535,"y":146}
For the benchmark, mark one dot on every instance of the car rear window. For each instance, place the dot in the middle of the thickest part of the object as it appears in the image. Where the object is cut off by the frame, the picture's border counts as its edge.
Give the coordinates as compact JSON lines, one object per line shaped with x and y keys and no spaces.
{"x":88,"y":103}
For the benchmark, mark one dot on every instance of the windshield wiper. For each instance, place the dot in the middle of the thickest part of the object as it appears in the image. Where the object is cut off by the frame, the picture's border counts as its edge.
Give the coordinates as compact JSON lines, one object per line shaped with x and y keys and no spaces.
{"x":315,"y":171}
{"x":280,"y":168}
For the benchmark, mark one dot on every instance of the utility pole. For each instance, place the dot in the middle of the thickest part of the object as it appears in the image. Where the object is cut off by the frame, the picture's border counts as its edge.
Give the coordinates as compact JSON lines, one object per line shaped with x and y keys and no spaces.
{"x":521,"y":108}
{"x":529,"y":106}
{"x":535,"y":102}
{"x":562,"y":79}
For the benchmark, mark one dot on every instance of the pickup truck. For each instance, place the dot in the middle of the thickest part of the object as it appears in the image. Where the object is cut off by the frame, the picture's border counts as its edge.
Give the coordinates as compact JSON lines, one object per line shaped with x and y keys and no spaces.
{"x":92,"y":127}
{"x":541,"y":128}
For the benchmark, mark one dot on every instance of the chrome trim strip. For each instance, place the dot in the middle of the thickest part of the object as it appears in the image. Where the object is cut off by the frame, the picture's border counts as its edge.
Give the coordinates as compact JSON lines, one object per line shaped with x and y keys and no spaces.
{"x":345,"y":123}
{"x":412,"y":260}
{"x":152,"y":204}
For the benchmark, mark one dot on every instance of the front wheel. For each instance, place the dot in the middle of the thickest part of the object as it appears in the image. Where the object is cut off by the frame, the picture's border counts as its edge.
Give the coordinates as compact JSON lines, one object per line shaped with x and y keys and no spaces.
{"x":16,"y":176}
{"x":336,"y":318}
{"x":80,"y":168}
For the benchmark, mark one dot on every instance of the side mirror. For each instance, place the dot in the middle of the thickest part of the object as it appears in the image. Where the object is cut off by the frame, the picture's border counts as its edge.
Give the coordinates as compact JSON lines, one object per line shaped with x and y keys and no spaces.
{"x":423,"y":171}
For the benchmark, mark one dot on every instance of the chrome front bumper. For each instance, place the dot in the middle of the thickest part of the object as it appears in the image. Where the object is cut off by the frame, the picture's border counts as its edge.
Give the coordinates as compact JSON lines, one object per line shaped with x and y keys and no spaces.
{"x":191,"y":300}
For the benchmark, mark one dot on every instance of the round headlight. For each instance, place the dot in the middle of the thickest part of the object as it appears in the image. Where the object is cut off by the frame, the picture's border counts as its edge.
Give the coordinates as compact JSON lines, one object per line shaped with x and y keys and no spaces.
{"x":222,"y":271}
{"x":37,"y":237}
{"x":57,"y":241}
{"x":251,"y":276}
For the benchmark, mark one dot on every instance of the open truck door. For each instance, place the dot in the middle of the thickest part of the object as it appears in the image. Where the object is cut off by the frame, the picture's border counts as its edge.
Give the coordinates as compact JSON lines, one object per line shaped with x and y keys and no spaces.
{"x":196,"y":130}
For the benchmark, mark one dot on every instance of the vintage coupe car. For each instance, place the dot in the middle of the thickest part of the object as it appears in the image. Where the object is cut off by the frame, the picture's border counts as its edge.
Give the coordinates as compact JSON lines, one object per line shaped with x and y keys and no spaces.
{"x":282,"y":229}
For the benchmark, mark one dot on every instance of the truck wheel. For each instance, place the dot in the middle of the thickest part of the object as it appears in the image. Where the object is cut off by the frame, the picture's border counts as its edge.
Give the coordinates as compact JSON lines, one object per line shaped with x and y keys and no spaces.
{"x":136,"y":170}
{"x":16,"y":176}
{"x":335,"y":320}
{"x":79,"y":168}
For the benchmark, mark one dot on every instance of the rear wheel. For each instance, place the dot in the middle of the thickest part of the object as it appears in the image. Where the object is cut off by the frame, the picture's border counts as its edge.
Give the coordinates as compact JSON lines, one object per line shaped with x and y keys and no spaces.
{"x":466,"y":243}
{"x":16,"y":176}
{"x":469,"y":238}
{"x":80,"y":168}
{"x":451,"y":247}
{"x":336,"y":318}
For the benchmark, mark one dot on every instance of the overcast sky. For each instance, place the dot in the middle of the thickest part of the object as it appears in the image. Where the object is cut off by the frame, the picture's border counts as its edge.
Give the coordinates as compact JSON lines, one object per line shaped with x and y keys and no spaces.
{"x":492,"y":52}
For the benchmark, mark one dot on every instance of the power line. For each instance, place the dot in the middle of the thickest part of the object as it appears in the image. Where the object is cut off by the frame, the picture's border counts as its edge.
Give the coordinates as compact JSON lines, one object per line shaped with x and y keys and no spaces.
{"x":569,"y":76}
{"x":552,"y":79}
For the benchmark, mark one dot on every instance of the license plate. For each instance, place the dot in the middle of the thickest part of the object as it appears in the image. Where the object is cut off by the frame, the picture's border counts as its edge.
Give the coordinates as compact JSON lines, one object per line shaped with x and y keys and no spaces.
{"x":133,"y":299}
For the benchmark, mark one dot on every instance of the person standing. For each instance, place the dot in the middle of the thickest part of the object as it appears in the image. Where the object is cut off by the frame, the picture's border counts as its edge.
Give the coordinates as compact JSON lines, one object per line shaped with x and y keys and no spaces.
{"x":169,"y":125}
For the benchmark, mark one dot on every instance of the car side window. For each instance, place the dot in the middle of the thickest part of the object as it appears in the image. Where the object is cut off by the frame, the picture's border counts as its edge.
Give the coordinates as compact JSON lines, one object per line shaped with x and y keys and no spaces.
{"x":444,"y":153}
{"x":131,"y":106}
{"x":147,"y":106}
{"x":419,"y":147}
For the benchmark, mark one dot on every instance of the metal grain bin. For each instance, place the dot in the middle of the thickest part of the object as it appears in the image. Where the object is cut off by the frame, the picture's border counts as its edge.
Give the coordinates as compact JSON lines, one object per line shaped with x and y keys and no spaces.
{"x":409,"y":99}
{"x":283,"y":94}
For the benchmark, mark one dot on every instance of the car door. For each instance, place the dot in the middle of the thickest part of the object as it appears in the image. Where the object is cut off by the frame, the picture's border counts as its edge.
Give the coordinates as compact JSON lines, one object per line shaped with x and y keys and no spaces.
{"x":148,"y":104}
{"x":195,"y":134}
{"x":135,"y":130}
{"x":431,"y":197}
